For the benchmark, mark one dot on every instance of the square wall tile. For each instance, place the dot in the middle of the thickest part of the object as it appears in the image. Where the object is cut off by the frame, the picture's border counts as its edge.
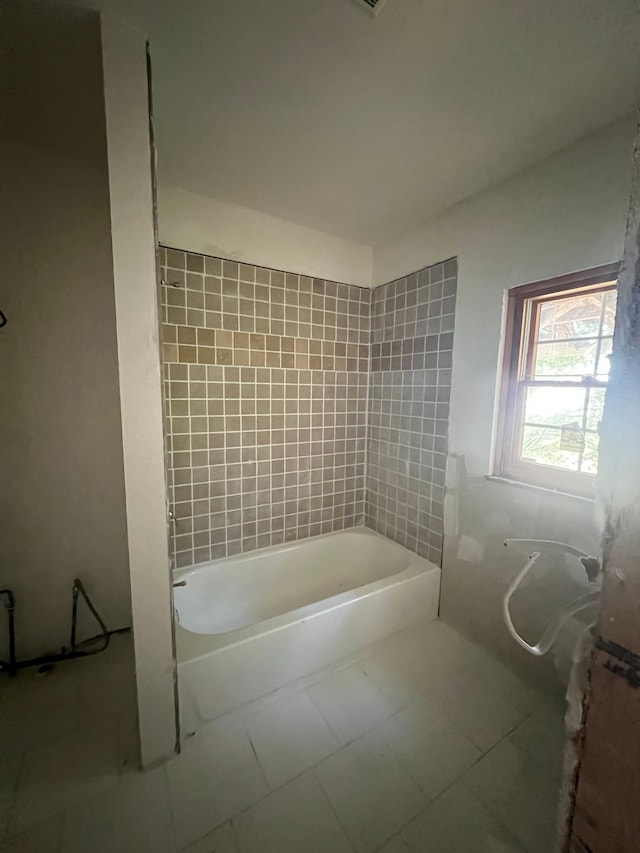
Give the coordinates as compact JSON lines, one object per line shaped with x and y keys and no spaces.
{"x":361,"y":377}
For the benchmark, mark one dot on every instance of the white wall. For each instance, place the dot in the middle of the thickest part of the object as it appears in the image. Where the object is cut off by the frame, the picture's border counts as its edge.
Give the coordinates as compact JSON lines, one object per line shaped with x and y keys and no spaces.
{"x":565,"y":214}
{"x":136,"y":293}
{"x":198,"y":223}
{"x":62,"y":510}
{"x":82,"y":485}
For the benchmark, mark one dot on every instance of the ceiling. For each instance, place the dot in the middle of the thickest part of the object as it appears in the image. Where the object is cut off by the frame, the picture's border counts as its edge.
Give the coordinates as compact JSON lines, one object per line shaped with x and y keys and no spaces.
{"x":318,"y":113}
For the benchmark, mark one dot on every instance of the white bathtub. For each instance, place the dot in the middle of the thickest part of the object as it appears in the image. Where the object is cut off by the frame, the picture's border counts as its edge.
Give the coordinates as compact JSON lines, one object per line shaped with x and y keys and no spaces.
{"x":247,"y":625}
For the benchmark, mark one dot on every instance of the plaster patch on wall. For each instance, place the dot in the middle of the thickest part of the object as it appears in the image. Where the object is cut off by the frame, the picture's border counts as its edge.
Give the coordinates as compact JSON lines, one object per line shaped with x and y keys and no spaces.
{"x":450,"y":521}
{"x":453,"y":471}
{"x":470,"y":550}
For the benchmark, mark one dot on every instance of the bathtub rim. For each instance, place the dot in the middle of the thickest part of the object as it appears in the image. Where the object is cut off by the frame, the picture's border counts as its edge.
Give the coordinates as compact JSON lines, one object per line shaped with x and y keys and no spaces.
{"x":285,"y":547}
{"x":191,"y":646}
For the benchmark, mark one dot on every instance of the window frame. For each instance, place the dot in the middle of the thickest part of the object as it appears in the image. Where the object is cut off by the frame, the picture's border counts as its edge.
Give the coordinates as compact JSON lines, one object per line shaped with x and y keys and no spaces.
{"x":520,"y":337}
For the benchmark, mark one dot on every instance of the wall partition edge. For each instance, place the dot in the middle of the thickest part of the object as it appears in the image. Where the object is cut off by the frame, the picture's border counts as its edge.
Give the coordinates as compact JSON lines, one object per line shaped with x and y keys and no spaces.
{"x":134,"y":262}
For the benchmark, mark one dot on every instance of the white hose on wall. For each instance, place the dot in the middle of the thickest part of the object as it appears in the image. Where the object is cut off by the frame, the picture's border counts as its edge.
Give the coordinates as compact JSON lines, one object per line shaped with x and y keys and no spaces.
{"x":552,"y":630}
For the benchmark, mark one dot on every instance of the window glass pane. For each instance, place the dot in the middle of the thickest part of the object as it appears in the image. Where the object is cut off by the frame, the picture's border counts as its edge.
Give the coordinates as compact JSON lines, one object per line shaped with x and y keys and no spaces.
{"x":609,"y":318}
{"x":555,"y":406}
{"x":542,"y":445}
{"x":595,"y":407}
{"x":572,"y":317}
{"x":570,"y":359}
{"x":604,"y":363}
{"x":589,"y":464}
{"x":572,"y":341}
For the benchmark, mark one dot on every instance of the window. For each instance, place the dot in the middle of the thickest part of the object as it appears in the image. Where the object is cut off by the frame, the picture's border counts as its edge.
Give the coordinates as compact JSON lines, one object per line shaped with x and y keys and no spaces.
{"x":556,"y":367}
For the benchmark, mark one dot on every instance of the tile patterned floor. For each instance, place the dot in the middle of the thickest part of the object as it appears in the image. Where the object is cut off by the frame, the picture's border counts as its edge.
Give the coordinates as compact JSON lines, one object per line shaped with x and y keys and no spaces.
{"x":420,"y":744}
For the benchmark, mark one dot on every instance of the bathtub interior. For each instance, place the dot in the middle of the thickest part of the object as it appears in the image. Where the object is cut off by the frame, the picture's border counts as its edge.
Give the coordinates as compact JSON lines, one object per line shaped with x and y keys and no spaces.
{"x":371,"y":588}
{"x":240,"y":591}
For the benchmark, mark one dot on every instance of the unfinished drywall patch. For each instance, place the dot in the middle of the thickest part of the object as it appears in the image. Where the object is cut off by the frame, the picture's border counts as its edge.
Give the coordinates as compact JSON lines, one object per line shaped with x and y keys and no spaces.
{"x":478,"y":569}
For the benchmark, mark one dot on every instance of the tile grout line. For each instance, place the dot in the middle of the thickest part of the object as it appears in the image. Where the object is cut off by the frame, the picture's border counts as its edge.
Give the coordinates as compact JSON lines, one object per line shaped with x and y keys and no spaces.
{"x":364,"y":311}
{"x":333,"y":811}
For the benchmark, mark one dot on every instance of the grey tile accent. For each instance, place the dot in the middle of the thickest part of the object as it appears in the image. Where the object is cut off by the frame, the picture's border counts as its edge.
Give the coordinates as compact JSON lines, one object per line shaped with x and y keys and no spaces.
{"x":297,"y":406}
{"x":266,"y":398}
{"x":408,"y":413}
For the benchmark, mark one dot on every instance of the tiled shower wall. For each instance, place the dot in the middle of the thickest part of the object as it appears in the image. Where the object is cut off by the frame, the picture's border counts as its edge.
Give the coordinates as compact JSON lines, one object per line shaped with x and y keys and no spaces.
{"x":409,"y":389}
{"x":277,"y":385}
{"x":266,"y":397}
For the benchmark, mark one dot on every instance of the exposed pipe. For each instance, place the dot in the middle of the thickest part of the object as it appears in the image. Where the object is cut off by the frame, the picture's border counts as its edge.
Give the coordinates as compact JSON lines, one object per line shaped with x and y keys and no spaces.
{"x":76,"y":650}
{"x":552,"y":630}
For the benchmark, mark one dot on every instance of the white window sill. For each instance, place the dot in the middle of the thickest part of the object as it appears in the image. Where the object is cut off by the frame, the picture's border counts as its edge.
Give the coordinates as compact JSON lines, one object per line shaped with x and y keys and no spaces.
{"x":495,"y":478}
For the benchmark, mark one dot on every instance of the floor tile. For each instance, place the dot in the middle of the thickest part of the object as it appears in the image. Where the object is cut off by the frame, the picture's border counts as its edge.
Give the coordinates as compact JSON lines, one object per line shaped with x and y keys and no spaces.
{"x":519,"y":793}
{"x":133,"y":817}
{"x":41,"y":838}
{"x":293,"y":819}
{"x":221,"y":840}
{"x":416,"y":710}
{"x":395,"y":845}
{"x":36,"y":709}
{"x":433,"y":750}
{"x":475,"y":707}
{"x":59,"y":686}
{"x":9,"y":770}
{"x":289,"y":736}
{"x":506,"y":684}
{"x":406,"y":665}
{"x":350,"y":703}
{"x":457,"y":822}
{"x":542,"y":736}
{"x":36,"y":727}
{"x":216,"y":776}
{"x":372,"y":794}
{"x":63,"y":772}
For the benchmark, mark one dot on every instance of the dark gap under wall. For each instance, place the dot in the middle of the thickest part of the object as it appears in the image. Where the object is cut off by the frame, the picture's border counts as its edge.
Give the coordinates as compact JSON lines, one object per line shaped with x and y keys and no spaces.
{"x":272,"y":380}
